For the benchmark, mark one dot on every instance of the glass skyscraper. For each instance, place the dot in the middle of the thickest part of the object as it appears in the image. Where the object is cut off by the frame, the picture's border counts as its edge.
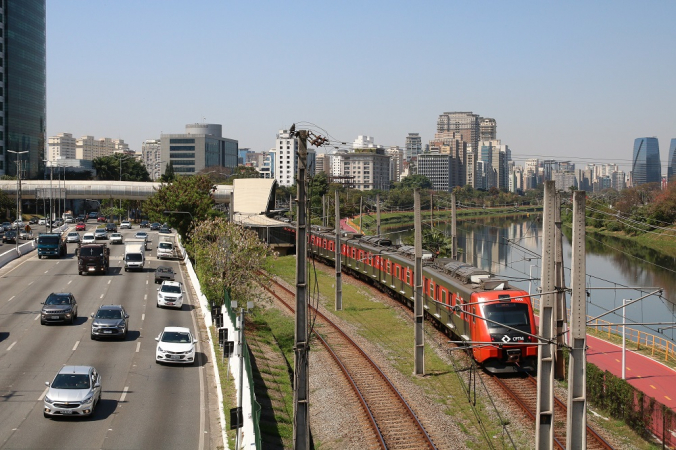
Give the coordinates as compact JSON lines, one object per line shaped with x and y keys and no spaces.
{"x":23,"y":102}
{"x":671,"y":164}
{"x":646,"y":166}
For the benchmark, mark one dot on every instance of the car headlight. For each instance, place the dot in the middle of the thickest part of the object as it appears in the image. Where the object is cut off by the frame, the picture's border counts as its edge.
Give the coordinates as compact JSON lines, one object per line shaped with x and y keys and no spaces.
{"x":159,"y":349}
{"x":88,"y":398}
{"x":48,"y":400}
{"x":121,"y":325}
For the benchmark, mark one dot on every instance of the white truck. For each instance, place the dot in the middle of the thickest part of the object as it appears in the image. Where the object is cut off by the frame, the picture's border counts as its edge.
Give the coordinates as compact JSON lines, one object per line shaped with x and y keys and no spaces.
{"x":134,"y":255}
{"x":166,"y":247}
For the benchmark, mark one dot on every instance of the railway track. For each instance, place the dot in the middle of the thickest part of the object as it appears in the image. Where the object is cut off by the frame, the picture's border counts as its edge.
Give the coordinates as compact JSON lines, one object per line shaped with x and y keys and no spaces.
{"x":523,"y":390}
{"x":394,"y":424}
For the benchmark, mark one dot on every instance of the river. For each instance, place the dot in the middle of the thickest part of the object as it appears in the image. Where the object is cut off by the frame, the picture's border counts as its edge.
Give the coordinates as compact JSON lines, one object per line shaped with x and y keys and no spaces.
{"x":513,"y":249}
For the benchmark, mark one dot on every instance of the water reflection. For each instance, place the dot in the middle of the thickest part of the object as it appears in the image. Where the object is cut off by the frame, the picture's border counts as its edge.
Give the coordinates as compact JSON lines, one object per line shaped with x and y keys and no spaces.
{"x":512,"y":248}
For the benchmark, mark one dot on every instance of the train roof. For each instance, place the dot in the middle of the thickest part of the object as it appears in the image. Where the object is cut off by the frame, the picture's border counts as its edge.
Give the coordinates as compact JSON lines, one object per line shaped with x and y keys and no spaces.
{"x":409,"y":250}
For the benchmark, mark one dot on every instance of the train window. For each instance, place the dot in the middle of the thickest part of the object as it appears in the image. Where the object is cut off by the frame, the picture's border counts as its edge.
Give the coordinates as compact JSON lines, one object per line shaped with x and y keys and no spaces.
{"x":389,"y":266}
{"x":432,"y":289}
{"x":323,"y":243}
{"x":408,"y":276}
{"x":474,"y":314}
{"x":436,"y":293}
{"x":398,"y":275}
{"x":331,"y":246}
{"x":354,"y":252}
{"x":370,"y":260}
{"x":443,"y":296}
{"x":426,"y":286}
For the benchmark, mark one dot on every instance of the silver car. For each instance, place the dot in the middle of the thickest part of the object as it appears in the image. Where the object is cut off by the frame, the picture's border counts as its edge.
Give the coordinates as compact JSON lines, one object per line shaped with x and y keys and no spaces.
{"x":75,"y":391}
{"x":73,"y":237}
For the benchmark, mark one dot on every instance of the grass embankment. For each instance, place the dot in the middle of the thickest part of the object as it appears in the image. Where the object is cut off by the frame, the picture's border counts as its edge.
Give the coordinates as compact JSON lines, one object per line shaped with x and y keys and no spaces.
{"x":384,"y":327}
{"x":228,"y":388}
{"x":663,"y":242}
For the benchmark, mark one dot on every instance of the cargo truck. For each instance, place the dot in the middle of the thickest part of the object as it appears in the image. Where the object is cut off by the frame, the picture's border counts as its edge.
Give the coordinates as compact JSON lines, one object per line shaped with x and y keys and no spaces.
{"x":134,"y":255}
{"x":166,"y":248}
{"x":51,"y":244}
{"x":92,"y":258}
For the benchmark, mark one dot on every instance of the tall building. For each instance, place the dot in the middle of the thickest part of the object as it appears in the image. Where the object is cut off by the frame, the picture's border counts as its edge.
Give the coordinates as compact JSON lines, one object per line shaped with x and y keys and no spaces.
{"x":438,"y":168}
{"x":23,"y":99}
{"x":488,"y":129}
{"x":646,"y":166}
{"x":285,"y":151}
{"x":151,"y":156}
{"x":89,"y":148}
{"x":202,"y":146}
{"x":413,"y":146}
{"x":464,"y":123}
{"x":364,"y":142}
{"x":62,"y":145}
{"x":396,"y":162}
{"x":370,"y":168}
{"x":671,"y":163}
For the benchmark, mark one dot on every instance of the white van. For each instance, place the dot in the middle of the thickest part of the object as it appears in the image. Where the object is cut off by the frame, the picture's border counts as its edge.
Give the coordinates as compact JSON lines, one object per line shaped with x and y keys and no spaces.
{"x":165,"y":247}
{"x":134,"y":256}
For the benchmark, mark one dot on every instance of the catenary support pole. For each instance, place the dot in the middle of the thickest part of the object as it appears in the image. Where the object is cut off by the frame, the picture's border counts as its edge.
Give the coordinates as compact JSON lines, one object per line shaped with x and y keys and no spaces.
{"x":454,"y":229}
{"x":325,"y":220}
{"x":301,"y":385}
{"x":378,"y":215}
{"x":419,"y":360}
{"x":361,"y":206}
{"x":544,"y":420}
{"x":231,"y":207}
{"x":431,"y":210}
{"x":339,"y":281}
{"x":560,"y":283}
{"x":576,"y":434}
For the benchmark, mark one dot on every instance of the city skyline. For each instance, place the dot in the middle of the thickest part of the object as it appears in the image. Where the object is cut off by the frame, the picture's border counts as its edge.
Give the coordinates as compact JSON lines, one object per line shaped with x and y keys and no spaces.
{"x":576,"y":82}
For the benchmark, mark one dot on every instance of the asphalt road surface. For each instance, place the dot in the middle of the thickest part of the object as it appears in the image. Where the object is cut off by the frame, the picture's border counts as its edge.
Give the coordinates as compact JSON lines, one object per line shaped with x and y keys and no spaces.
{"x":143,"y":405}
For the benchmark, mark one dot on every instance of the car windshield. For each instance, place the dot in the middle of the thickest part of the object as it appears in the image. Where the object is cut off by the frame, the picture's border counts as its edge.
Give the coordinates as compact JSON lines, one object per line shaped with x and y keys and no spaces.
{"x":141,"y":235}
{"x":55,"y":299}
{"x":133,"y":256}
{"x":109,"y":314}
{"x":163,"y":269}
{"x":165,"y":245}
{"x":171,"y":289}
{"x":100,"y":230}
{"x":52,"y":240}
{"x":88,"y":236}
{"x":89,"y":251}
{"x":178,"y":337}
{"x":71,"y":381}
{"x":73,"y":234}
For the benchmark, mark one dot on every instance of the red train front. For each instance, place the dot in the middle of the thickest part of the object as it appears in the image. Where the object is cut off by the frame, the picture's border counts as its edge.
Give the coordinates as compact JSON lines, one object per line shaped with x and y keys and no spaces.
{"x":503,"y":342}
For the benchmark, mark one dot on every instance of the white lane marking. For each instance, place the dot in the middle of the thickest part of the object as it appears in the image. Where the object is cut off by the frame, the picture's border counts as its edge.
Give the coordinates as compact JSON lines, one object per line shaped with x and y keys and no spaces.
{"x":101,"y":296}
{"x":75,"y":346}
{"x":43,"y":394}
{"x":70,"y":281}
{"x":46,"y":271}
{"x":143,"y":317}
{"x":10,"y":299}
{"x":31,"y":283}
{"x":37,"y":317}
{"x":109,"y":281}
{"x":146,"y":281}
{"x":124,"y":394}
{"x":138,"y":347}
{"x":12,"y":345}
{"x":58,"y":262}
{"x":145,"y":297}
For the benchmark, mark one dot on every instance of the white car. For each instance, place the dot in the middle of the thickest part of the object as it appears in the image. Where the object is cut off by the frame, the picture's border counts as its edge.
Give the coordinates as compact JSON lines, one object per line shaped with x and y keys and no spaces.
{"x":88,"y":238}
{"x":141,"y":235}
{"x":125,"y":225}
{"x":73,"y":237}
{"x":17,"y":224}
{"x":75,"y":391}
{"x":170,"y":293}
{"x":42,"y":222}
{"x":116,"y":238}
{"x":175,"y":345}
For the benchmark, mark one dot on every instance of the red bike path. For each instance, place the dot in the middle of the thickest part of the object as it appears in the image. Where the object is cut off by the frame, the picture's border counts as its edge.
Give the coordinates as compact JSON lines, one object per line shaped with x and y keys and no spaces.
{"x":646,"y":374}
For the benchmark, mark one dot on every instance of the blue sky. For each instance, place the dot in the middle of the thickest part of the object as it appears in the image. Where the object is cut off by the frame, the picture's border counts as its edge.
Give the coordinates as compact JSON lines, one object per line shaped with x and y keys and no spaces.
{"x":573,"y":80}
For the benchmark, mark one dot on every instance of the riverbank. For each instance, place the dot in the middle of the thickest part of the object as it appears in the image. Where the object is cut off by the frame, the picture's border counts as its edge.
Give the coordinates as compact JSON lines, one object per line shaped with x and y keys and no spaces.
{"x":663,"y":242}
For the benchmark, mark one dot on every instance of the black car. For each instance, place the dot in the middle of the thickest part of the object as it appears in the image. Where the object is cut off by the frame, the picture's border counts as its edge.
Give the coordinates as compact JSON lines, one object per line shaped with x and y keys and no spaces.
{"x":34,"y":220}
{"x":145,"y":224}
{"x":155,"y":226}
{"x":165,"y":230}
{"x":111,"y":227}
{"x":9,"y":236}
{"x":110,"y":321}
{"x":163,"y":273}
{"x":59,"y":307}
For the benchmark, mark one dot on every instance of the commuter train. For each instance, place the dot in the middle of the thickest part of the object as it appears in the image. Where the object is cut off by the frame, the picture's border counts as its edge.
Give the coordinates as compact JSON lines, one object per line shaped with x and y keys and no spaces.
{"x":460,"y":299}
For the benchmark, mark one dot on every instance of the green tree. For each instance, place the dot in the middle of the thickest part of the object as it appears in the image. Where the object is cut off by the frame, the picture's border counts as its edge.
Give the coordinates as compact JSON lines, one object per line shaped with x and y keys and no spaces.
{"x":168,"y":176}
{"x":228,"y":256}
{"x":415,"y":181}
{"x":118,"y":166}
{"x":191,"y":195}
{"x":243,"y":172}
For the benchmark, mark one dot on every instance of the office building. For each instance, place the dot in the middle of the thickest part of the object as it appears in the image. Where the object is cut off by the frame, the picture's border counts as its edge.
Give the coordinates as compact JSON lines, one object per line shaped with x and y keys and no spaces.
{"x":90,"y":148}
{"x":618,"y":180}
{"x":200,"y":147}
{"x":364,"y":142}
{"x":151,"y":156}
{"x":23,"y":100}
{"x":413,"y":146}
{"x":466,"y":124}
{"x":646,"y":166}
{"x":671,"y":163}
{"x":396,"y":162}
{"x":563,"y":180}
{"x":438,"y":168}
{"x":283,"y":162}
{"x":62,"y":145}
{"x":488,"y":129}
{"x":369,"y":167}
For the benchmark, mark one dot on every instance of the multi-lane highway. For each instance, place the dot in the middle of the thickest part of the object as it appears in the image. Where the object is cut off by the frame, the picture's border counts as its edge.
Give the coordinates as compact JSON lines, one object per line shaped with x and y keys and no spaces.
{"x":143,"y":405}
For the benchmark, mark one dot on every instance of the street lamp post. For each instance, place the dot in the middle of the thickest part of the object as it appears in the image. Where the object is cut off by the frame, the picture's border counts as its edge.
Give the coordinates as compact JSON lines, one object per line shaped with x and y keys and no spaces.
{"x":51,"y":193}
{"x":18,"y":194}
{"x":121,"y":158}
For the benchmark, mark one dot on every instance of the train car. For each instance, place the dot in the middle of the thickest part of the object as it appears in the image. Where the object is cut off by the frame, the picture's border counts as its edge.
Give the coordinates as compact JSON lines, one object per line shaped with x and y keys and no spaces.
{"x":494,"y":318}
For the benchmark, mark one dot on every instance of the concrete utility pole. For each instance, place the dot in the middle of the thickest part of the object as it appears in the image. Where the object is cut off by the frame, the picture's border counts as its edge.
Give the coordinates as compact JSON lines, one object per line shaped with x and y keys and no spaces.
{"x":576,"y":435}
{"x":301,"y":385}
{"x":361,"y":205}
{"x":231,"y":208}
{"x":454,"y":229}
{"x":431,"y":210}
{"x":560,"y":283}
{"x":544,"y":420}
{"x":325,"y":220}
{"x":378,"y":215}
{"x":339,"y":281}
{"x":419,"y":359}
